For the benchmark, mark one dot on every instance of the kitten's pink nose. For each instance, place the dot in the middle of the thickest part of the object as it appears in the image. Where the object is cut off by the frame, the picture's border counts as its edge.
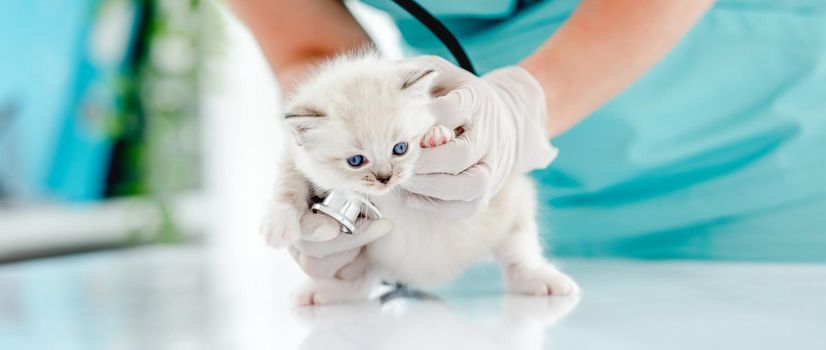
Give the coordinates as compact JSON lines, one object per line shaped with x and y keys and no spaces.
{"x":383,"y":178}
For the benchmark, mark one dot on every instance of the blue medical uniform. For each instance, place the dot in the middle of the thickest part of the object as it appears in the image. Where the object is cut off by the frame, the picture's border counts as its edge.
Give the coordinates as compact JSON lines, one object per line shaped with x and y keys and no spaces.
{"x":718,"y":152}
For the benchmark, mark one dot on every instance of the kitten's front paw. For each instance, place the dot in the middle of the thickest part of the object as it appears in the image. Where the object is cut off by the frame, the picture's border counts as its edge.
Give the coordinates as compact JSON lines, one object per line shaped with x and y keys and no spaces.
{"x":437,"y":136}
{"x":280,"y":226}
{"x":542,"y":280}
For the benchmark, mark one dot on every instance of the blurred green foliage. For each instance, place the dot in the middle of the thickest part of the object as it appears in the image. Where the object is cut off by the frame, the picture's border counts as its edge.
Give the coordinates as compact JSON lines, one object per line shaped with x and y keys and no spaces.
{"x":157,"y":152}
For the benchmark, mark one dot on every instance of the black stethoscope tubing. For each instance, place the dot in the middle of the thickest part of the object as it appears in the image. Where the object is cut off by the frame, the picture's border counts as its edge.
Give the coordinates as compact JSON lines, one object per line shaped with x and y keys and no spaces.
{"x":440,"y":31}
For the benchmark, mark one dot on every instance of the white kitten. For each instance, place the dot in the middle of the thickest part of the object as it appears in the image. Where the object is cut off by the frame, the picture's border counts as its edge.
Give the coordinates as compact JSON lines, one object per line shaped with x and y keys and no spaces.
{"x":358,"y":124}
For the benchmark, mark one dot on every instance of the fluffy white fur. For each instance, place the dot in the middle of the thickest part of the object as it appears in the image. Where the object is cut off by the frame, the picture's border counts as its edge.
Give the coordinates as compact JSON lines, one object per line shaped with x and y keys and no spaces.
{"x":365,"y":105}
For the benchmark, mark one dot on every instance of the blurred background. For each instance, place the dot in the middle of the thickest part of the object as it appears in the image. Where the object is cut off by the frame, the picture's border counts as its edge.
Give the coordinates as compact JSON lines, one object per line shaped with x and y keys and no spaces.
{"x":138,"y":146}
{"x":101,"y":122}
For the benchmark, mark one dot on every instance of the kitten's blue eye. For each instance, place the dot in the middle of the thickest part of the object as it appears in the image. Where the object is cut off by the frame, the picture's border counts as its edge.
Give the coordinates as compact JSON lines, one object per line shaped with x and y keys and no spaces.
{"x":400,"y":148}
{"x":356,"y":161}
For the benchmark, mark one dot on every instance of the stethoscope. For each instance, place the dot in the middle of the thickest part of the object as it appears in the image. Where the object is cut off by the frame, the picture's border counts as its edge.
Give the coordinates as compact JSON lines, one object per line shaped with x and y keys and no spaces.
{"x":440,"y":31}
{"x":347,"y":207}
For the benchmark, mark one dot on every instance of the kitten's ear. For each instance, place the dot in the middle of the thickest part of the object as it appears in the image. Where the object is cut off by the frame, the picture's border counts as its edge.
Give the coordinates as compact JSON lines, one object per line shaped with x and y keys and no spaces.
{"x":419,"y":81}
{"x":302,"y":119}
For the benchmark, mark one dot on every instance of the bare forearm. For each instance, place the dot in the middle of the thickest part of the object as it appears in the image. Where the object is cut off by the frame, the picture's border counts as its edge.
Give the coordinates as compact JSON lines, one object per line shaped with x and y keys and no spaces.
{"x":604,"y":47}
{"x":295,"y":34}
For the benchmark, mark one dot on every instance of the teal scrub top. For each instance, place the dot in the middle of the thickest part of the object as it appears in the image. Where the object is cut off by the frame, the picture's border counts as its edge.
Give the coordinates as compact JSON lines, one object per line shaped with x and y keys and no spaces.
{"x":718,"y":152}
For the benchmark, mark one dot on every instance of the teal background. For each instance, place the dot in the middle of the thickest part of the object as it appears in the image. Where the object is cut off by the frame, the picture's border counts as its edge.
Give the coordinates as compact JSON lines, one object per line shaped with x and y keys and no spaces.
{"x":58,"y":143}
{"x":719,"y":152}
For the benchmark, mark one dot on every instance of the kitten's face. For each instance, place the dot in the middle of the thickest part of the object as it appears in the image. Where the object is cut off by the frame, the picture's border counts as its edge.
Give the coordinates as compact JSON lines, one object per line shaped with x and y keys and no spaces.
{"x":358,"y":124}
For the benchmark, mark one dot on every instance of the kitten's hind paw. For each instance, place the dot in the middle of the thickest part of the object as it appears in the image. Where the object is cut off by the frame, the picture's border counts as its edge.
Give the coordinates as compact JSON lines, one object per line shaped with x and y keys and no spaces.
{"x":437,"y":136}
{"x":542,"y":280}
{"x":325,"y":292}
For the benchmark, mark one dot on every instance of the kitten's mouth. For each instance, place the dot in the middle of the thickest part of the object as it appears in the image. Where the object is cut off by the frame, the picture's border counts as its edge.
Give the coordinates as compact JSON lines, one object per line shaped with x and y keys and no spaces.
{"x":380,"y":189}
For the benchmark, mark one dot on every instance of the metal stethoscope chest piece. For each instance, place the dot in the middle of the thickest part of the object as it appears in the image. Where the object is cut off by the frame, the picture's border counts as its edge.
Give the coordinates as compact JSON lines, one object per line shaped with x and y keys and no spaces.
{"x":346,"y":208}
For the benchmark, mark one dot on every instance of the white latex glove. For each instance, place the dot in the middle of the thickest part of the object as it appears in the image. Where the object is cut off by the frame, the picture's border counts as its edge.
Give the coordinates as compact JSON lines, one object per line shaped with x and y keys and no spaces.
{"x":503,"y":116}
{"x":323,"y":252}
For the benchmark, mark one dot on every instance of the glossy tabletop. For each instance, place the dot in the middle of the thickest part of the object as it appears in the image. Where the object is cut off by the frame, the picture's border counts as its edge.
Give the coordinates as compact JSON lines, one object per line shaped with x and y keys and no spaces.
{"x":195,"y":297}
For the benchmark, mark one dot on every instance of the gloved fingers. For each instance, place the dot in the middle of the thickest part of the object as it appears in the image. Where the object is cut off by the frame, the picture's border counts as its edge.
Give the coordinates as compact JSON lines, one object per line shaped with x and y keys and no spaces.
{"x":317,"y":227}
{"x":326,"y":267}
{"x":366,"y":232}
{"x":355,"y":268}
{"x":454,"y":109}
{"x":449,"y":75}
{"x":446,"y":209}
{"x":465,"y":186}
{"x":453,"y":157}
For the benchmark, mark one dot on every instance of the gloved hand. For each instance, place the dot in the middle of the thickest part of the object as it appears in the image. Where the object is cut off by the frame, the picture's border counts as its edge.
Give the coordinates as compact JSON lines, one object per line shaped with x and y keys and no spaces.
{"x":503,"y":118}
{"x":323,"y":252}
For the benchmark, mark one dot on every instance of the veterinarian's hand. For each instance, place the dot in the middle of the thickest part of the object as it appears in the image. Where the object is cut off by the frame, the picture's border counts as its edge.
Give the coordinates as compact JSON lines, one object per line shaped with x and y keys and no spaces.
{"x":324,"y":252}
{"x":502,"y":117}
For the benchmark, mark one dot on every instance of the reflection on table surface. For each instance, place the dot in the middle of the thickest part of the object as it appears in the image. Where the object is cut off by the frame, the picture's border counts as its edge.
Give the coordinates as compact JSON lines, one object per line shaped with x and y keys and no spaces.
{"x":191,"y":297}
